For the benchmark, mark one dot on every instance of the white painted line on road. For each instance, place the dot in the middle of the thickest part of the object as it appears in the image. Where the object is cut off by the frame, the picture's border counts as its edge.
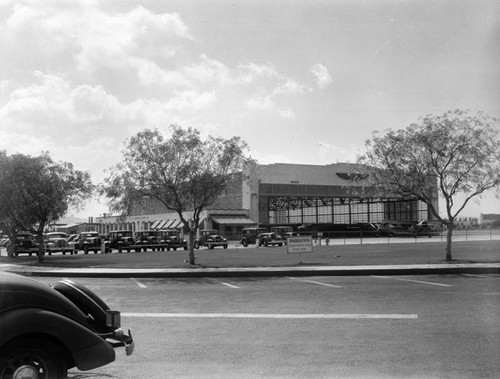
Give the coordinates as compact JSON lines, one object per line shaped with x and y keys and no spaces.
{"x":413,"y":281}
{"x":225,"y":284}
{"x":348,"y":316}
{"x":483,"y":276}
{"x":314,"y":282}
{"x":141,"y":285}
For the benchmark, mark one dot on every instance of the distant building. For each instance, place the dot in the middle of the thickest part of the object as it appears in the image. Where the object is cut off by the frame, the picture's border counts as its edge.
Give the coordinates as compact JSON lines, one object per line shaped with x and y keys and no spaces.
{"x":467,"y":222}
{"x":286,"y":194}
{"x":491,"y":219}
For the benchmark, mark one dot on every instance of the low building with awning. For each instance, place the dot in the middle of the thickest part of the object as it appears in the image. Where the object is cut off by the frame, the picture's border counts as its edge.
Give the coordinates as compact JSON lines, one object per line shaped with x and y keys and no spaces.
{"x":319,"y":196}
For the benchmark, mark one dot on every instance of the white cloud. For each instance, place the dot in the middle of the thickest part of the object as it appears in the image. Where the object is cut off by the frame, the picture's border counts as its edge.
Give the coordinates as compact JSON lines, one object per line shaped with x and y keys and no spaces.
{"x":322,"y":75}
{"x":331,"y":153}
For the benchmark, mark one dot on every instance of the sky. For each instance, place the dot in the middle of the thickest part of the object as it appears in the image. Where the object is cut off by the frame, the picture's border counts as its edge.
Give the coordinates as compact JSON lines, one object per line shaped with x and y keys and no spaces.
{"x":300,"y":81}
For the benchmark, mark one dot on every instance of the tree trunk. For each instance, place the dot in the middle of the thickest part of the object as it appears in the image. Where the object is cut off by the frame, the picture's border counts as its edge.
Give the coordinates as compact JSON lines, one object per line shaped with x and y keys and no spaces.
{"x":41,"y":248}
{"x":10,"y":247}
{"x":448,"y":243}
{"x":191,"y":247}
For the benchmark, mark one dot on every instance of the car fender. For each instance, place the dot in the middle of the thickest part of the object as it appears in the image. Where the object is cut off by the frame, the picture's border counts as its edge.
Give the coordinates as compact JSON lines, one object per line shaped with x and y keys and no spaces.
{"x":88,"y":349}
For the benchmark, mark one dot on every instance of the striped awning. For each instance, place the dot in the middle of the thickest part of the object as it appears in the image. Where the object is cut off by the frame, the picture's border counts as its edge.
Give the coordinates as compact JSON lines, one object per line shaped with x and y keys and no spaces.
{"x":156,"y":223}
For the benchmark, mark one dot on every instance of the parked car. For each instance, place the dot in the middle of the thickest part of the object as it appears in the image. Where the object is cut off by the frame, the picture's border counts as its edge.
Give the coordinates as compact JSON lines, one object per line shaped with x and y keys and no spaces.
{"x":173,"y":239}
{"x":210,"y":238}
{"x":57,"y":242}
{"x":122,"y":240}
{"x":148,"y":239}
{"x":44,"y":331}
{"x":249,"y":235}
{"x":25,"y":243}
{"x":427,"y":228}
{"x":89,"y":241}
{"x":271,"y":239}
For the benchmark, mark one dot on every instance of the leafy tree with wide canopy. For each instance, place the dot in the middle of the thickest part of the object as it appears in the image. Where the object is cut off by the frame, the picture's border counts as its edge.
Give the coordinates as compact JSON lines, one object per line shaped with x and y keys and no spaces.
{"x":184,"y":173}
{"x":455,"y":156}
{"x":37,"y":191}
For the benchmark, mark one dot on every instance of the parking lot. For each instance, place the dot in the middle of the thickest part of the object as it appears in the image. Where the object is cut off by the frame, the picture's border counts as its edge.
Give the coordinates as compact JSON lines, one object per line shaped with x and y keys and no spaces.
{"x":314,"y":327}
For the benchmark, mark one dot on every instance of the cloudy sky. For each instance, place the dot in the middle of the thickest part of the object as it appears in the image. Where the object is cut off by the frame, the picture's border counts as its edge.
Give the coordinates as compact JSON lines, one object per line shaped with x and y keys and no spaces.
{"x":300,"y":81}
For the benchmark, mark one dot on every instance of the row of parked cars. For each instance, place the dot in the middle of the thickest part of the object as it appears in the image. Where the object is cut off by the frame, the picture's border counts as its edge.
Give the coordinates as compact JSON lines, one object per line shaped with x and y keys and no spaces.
{"x":91,"y":241}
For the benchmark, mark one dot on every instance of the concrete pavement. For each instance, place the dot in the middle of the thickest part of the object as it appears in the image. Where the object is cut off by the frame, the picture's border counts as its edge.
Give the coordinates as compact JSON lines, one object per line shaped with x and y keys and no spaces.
{"x":299,"y":270}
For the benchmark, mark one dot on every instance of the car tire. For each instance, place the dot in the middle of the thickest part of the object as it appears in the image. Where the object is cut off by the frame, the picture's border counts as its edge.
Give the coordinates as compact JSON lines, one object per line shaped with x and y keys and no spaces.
{"x":38,"y":357}
{"x":210,"y":246}
{"x":245,"y":243}
{"x":225,"y":246}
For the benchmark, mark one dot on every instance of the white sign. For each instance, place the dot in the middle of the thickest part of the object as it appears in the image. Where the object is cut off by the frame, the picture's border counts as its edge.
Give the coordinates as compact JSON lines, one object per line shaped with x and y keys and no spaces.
{"x":299,"y":244}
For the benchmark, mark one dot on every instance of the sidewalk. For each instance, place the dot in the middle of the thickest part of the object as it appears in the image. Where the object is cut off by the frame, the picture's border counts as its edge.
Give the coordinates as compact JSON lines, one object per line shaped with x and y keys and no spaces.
{"x":479,"y":257}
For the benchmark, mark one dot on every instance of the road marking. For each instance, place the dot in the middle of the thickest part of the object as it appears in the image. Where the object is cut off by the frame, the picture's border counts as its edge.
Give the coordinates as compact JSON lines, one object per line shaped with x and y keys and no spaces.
{"x":225,"y":284}
{"x":141,"y":285}
{"x":309,"y":316}
{"x":482,"y":276}
{"x":314,"y":282}
{"x":413,"y":281}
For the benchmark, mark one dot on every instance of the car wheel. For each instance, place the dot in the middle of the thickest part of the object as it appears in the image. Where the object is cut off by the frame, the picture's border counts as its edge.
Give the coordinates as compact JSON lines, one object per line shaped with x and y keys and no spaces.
{"x":32,"y":358}
{"x":85,"y":250}
{"x":225,"y":246}
{"x":210,"y":246}
{"x":245,"y":243}
{"x":280,"y":244}
{"x":174,"y":249}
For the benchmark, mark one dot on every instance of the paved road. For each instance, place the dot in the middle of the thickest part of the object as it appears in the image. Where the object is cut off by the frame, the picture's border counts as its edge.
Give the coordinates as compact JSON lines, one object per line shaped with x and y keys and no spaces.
{"x":314,"y":327}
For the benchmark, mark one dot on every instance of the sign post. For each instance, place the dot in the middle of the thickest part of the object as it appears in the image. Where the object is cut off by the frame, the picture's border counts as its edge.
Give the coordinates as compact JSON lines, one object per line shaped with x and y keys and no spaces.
{"x":299,"y":244}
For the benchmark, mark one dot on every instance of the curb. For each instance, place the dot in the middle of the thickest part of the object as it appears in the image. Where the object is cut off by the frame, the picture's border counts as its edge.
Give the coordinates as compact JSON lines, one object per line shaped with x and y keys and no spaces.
{"x":435,"y":269}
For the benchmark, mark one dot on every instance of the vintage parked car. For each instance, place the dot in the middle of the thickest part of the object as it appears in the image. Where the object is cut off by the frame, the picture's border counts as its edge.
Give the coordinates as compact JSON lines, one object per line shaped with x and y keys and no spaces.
{"x":250,"y":235}
{"x":148,"y":239}
{"x":25,"y":243}
{"x":270,"y":239}
{"x":57,"y":242}
{"x":44,"y":331}
{"x":210,"y":238}
{"x":173,"y":239}
{"x":122,"y":240}
{"x":89,"y":241}
{"x":427,"y":228}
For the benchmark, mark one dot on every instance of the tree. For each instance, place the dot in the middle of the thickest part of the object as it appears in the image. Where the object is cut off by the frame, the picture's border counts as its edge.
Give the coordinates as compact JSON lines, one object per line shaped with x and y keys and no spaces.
{"x":455,"y":155}
{"x":183,"y":173}
{"x":40,"y":191}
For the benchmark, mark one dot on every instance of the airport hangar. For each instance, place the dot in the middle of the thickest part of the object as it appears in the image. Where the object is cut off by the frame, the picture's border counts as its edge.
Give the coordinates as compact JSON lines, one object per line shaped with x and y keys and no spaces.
{"x":283,"y":194}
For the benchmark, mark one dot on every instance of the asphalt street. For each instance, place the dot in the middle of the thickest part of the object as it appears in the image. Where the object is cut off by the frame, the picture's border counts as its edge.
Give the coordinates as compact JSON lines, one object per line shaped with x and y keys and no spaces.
{"x":431,"y":326}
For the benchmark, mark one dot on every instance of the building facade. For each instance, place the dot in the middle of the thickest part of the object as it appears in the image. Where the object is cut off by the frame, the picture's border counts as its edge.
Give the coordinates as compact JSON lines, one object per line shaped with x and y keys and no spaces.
{"x":285,"y":194}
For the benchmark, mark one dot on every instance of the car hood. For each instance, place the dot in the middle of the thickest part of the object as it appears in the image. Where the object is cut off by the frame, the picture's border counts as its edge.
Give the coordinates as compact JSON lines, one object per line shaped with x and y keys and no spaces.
{"x":17,"y":291}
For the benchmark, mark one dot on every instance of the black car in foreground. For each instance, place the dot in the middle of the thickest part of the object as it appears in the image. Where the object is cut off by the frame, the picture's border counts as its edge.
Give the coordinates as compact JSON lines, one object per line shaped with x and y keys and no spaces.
{"x":44,"y":331}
